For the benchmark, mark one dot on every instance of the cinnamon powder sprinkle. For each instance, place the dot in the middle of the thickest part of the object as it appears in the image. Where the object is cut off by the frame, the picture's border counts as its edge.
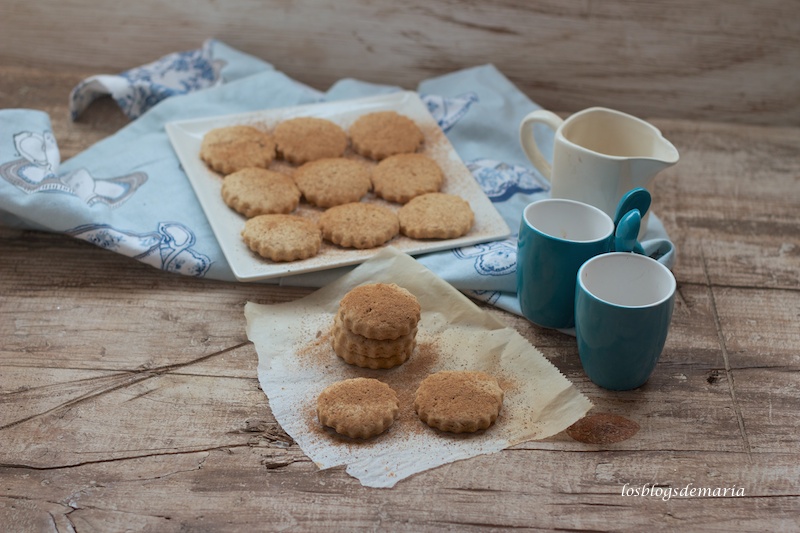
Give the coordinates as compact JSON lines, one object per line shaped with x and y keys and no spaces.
{"x":404,"y":379}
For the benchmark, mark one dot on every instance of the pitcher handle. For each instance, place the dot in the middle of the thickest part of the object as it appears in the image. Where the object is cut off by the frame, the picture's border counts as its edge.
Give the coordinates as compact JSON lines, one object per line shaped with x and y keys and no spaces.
{"x":528,"y":141}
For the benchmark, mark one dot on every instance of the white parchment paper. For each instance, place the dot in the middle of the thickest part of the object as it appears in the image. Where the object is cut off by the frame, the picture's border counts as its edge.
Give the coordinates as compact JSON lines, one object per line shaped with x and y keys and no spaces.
{"x":296,"y":362}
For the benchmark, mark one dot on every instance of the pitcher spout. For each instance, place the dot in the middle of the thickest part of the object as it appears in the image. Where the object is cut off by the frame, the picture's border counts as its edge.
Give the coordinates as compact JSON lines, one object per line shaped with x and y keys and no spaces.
{"x":644,"y":169}
{"x":665,"y":152}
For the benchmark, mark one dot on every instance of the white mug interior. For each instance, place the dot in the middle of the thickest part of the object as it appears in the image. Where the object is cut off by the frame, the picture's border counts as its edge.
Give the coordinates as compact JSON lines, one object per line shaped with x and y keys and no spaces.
{"x":568,"y":220}
{"x":627,"y":280}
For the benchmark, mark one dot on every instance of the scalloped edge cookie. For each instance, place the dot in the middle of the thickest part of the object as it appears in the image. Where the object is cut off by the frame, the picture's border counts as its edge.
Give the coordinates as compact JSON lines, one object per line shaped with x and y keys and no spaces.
{"x":459,"y":401}
{"x":231,"y":148}
{"x":381,"y":134}
{"x":359,"y":408}
{"x":282,"y":237}
{"x":359,"y":225}
{"x":333,"y":181}
{"x":399,"y":178}
{"x":380,"y":311}
{"x":348,"y":344}
{"x":436,"y":215}
{"x":303,"y":139}
{"x":256,"y":191}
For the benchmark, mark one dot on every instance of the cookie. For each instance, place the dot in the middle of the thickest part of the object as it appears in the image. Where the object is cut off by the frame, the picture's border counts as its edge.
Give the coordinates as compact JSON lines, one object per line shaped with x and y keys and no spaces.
{"x":459,"y":401}
{"x":383,"y":133}
{"x":351,"y":345}
{"x":233,"y":148}
{"x":374,"y":363}
{"x":401,"y":177}
{"x":303,"y":139}
{"x":380,"y":311}
{"x":256,"y":191}
{"x":358,"y":408}
{"x":333,"y":181}
{"x":358,"y":225}
{"x":282,"y":237}
{"x":436,"y":216}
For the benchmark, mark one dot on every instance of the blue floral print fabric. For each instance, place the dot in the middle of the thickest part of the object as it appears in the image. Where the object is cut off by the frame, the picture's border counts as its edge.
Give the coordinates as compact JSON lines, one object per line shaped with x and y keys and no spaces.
{"x":128,"y":193}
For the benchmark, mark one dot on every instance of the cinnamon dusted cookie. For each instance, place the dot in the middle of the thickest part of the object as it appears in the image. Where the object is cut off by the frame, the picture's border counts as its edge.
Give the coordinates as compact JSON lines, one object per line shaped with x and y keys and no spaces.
{"x":436,"y":216}
{"x":380,"y":311}
{"x":401,"y":177}
{"x":358,"y":408}
{"x":333,"y":181}
{"x":233,"y":148}
{"x":303,"y":139}
{"x":374,"y":363}
{"x":383,"y":133}
{"x":459,"y":401}
{"x":256,"y":191}
{"x":358,"y":225}
{"x":361,"y":351}
{"x":282,"y":237}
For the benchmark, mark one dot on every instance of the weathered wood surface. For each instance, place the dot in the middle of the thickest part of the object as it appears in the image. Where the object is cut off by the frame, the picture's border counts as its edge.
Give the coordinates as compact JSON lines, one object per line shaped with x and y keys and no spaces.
{"x":735,"y":60}
{"x":129,"y":398}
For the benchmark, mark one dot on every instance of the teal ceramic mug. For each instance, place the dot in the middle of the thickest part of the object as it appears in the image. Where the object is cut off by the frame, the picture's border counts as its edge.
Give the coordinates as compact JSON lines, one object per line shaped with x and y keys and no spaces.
{"x":556,"y":237}
{"x":623,"y":311}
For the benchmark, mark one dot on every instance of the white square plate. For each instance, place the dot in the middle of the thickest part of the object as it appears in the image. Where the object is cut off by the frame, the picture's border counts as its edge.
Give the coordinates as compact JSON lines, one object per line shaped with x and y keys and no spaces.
{"x":227,"y":224}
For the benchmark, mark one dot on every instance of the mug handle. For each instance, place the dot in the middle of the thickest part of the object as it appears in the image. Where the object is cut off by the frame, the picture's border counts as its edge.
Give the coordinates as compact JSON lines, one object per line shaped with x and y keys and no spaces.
{"x":528,"y":141}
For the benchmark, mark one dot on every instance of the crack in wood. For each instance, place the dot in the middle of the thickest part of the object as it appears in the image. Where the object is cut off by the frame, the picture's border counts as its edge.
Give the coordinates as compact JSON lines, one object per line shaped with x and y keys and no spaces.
{"x":710,"y":285}
{"x":52,"y":521}
{"x":476,"y":489}
{"x":71,"y":524}
{"x":264,"y":430}
{"x":120,"y":459}
{"x":129,"y":377}
{"x":274,"y":464}
{"x":113,"y":510}
{"x":452,"y":523}
{"x":723,"y":347}
{"x":683,"y":303}
{"x":471,"y":25}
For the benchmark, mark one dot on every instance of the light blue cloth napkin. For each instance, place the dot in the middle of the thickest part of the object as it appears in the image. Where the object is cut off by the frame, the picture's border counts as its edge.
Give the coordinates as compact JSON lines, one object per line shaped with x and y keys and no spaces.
{"x":129,"y":194}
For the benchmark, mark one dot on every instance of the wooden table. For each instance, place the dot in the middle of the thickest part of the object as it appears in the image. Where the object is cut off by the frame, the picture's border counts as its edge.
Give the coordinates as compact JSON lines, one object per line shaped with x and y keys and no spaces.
{"x":130,"y":399}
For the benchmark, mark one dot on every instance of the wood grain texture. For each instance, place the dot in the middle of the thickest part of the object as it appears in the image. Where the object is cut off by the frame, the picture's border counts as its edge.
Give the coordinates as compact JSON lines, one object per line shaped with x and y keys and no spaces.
{"x":129,"y":398}
{"x":730,"y":61}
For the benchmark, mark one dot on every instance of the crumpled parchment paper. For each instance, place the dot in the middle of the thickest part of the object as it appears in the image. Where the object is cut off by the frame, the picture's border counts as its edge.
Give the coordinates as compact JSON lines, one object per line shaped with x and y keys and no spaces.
{"x":296,"y":362}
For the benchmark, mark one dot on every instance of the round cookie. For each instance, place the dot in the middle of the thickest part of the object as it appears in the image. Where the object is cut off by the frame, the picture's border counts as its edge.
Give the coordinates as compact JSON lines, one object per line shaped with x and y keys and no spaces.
{"x":333,"y":181}
{"x":383,"y":133}
{"x":459,"y":401}
{"x":374,"y":363}
{"x":256,"y":191}
{"x":303,"y":139}
{"x":358,"y":408}
{"x":401,"y":177}
{"x":371,"y":353}
{"x":358,"y":225}
{"x":282,"y":237}
{"x":380,"y":311}
{"x":436,"y":216}
{"x":233,"y":148}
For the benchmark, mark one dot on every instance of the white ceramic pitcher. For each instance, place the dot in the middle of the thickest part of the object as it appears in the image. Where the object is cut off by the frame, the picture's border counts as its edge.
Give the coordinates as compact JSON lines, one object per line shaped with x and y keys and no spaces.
{"x":599,"y":154}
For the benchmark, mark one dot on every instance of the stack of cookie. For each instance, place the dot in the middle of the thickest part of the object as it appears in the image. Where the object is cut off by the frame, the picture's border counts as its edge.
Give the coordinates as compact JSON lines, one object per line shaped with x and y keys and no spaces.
{"x":376,"y":326}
